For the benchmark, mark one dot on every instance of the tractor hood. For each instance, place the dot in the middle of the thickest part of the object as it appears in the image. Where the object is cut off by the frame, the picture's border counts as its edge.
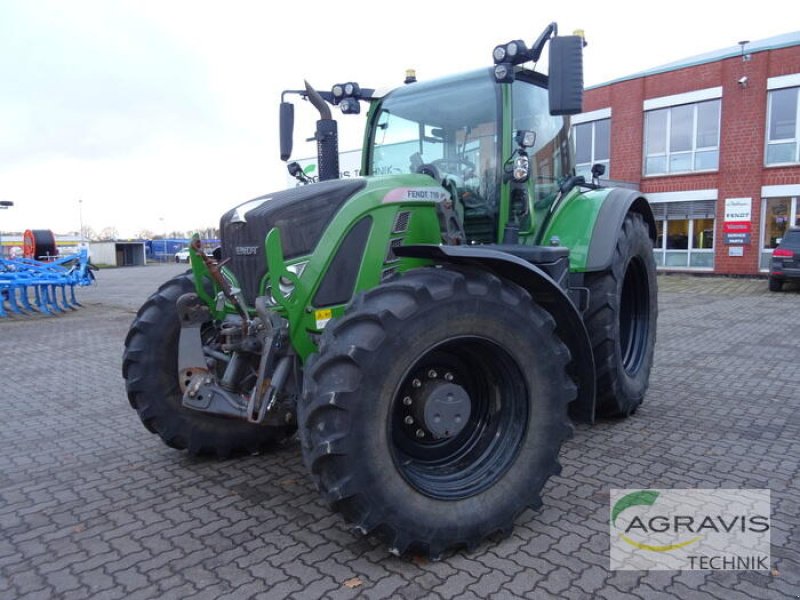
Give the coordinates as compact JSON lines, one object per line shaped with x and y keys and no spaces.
{"x":301,"y":214}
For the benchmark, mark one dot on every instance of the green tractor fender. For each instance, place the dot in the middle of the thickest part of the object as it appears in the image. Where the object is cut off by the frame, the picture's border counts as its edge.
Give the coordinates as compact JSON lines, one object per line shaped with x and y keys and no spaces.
{"x":589,"y":222}
{"x":546,"y":292}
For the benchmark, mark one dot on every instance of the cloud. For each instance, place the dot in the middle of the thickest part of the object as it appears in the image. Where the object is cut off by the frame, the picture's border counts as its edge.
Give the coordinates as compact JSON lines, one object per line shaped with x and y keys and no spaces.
{"x":93,"y":83}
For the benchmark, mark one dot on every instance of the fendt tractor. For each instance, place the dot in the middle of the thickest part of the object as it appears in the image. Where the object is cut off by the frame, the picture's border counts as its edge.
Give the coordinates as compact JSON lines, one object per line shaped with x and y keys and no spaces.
{"x":430,"y":329}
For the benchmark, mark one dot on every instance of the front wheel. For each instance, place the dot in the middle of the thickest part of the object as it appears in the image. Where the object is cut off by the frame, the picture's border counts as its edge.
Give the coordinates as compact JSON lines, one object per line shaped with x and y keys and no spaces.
{"x":621,"y":320}
{"x":150,"y":369}
{"x":435,"y":409}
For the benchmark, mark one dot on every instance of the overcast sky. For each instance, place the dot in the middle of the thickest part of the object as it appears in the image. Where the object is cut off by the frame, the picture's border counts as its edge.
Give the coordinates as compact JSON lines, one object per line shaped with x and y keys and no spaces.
{"x":161,"y":115}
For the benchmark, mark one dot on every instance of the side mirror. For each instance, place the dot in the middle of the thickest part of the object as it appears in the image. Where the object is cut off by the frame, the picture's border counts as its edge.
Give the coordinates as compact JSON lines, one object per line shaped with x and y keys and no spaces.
{"x":566,"y":75}
{"x":598,"y":170}
{"x":287,"y":129}
{"x":296,"y":171}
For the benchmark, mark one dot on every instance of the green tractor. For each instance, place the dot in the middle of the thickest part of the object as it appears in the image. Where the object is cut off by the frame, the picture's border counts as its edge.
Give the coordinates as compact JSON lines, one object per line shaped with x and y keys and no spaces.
{"x":431,"y":328}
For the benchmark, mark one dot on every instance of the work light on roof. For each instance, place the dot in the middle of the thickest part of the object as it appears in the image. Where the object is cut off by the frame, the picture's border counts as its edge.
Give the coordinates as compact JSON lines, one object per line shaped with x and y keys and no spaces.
{"x":514,"y":52}
{"x":349,"y":89}
{"x":517,"y":51}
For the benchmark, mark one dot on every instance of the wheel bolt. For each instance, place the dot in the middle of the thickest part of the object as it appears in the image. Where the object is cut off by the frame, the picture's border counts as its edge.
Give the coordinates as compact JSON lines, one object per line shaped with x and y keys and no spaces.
{"x":416,"y":383}
{"x":432,"y":374}
{"x":448,"y":377}
{"x":420,"y":433}
{"x":409,"y":420}
{"x":407,"y":400}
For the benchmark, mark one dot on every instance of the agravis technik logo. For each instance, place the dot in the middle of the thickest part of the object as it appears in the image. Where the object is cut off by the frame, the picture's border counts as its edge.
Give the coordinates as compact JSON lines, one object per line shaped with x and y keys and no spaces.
{"x":690,"y":529}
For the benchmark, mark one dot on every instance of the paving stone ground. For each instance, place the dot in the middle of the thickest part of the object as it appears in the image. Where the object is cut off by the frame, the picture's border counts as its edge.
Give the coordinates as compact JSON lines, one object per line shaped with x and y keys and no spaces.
{"x":93,"y":506}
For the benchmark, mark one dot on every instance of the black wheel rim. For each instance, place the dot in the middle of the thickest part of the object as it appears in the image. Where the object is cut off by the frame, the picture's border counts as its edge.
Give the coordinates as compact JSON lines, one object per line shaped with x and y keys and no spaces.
{"x":634,"y":316}
{"x":480,"y":376}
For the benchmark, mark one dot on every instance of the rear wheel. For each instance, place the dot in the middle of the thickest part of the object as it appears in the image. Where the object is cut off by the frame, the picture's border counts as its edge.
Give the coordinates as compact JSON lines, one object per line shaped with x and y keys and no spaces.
{"x":775,"y":285}
{"x":435,"y":409}
{"x":621,"y":320}
{"x":150,"y":369}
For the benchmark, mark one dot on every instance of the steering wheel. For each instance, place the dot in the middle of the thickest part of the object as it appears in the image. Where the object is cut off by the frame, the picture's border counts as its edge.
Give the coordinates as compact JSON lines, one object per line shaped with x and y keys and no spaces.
{"x":446,"y":164}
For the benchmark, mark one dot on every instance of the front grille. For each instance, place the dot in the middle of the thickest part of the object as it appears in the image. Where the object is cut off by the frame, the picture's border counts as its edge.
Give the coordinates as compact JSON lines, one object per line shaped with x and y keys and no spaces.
{"x":302,"y":214}
{"x":390,"y":255}
{"x":401,"y":222}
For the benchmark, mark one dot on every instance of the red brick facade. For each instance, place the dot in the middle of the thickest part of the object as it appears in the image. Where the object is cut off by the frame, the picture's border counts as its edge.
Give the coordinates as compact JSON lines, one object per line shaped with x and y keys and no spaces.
{"x":743,"y":122}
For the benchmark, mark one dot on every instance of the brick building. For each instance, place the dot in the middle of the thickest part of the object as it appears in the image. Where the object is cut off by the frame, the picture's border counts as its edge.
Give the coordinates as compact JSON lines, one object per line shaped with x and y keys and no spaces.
{"x":714,"y":142}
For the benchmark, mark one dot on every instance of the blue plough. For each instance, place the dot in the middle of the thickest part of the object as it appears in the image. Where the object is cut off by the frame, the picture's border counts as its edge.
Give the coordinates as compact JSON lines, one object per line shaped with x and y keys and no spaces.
{"x":28,"y":286}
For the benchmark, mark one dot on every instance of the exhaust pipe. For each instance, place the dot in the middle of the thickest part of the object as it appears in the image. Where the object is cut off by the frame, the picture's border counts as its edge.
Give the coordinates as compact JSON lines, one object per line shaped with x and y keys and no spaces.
{"x":327,"y":137}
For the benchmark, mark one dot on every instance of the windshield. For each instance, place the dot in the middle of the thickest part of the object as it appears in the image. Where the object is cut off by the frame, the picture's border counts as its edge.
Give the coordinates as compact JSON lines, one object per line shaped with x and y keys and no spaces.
{"x":450,"y":124}
{"x":448,"y":129}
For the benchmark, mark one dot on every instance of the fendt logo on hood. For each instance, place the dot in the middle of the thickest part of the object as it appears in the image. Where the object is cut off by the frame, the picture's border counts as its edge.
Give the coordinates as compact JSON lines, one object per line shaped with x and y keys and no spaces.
{"x":245,"y":250}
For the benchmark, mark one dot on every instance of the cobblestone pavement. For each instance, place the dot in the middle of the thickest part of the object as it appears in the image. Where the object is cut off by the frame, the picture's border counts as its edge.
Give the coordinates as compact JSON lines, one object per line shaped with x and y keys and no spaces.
{"x":93,"y":506}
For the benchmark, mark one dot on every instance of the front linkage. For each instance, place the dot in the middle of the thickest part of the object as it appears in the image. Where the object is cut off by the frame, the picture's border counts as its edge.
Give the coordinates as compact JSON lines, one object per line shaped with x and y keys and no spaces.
{"x":214,"y":376}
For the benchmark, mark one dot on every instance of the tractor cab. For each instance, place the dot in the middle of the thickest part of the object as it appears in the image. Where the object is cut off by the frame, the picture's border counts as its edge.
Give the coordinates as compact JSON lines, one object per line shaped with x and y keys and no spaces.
{"x":467,"y":133}
{"x":502,"y":151}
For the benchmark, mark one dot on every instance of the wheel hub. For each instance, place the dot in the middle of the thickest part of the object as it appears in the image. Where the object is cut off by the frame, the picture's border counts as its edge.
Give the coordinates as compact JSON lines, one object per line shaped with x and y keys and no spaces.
{"x":446,"y":409}
{"x":436,"y":407}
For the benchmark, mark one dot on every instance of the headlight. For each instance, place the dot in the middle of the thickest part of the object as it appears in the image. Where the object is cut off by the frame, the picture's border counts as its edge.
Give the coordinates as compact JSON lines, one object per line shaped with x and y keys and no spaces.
{"x":297,"y":268}
{"x":499,"y":54}
{"x":504,"y":73}
{"x":511,"y":49}
{"x":337,"y":91}
{"x":521,"y":168}
{"x":285,"y":284}
{"x":349,"y":106}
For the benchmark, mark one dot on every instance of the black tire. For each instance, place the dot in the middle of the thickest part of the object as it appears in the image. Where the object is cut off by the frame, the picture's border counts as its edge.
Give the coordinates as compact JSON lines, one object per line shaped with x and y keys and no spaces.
{"x":621,"y":321}
{"x":149,"y":366}
{"x":506,"y":370}
{"x":775,"y":285}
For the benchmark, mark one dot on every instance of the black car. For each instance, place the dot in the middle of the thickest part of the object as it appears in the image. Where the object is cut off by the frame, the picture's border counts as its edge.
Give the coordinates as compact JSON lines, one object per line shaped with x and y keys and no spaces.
{"x":785,"y":262}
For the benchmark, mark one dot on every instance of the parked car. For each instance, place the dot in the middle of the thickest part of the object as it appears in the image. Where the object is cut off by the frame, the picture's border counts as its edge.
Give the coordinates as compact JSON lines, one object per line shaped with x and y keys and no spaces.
{"x":785,"y":262}
{"x":182,"y":255}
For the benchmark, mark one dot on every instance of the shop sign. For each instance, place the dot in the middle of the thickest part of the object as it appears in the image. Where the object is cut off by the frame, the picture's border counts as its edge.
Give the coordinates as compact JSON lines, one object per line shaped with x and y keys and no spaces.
{"x":736,"y":227}
{"x":741,"y":239}
{"x":738,"y":209}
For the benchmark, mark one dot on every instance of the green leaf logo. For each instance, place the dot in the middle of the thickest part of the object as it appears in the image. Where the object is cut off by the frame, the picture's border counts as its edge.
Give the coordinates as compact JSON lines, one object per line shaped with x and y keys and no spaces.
{"x":308,"y":169}
{"x":642,"y":498}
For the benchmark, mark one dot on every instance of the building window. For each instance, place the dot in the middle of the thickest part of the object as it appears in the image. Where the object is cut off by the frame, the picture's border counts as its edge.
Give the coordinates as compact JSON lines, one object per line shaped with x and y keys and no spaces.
{"x":685,"y":234}
{"x":682,"y":139}
{"x":783,"y":122}
{"x":592,"y":146}
{"x":777,"y":214}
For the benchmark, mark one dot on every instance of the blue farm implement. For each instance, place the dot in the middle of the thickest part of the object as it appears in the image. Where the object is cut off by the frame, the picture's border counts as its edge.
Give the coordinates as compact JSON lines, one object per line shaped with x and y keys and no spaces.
{"x":28,"y":286}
